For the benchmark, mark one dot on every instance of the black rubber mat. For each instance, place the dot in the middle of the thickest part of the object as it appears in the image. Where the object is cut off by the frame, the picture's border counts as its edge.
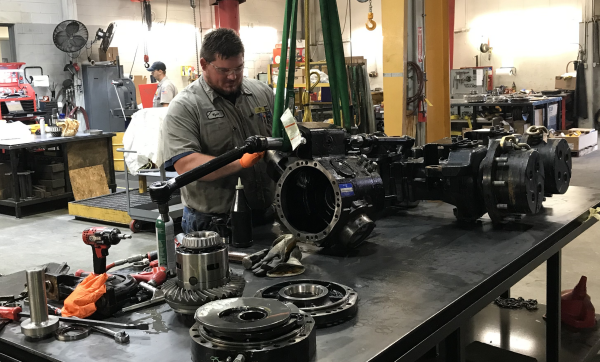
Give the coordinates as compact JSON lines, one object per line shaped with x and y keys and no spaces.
{"x":118,"y":200}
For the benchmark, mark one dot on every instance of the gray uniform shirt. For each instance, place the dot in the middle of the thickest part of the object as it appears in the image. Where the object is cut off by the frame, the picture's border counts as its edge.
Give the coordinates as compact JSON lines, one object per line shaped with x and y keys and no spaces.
{"x":165,"y":92}
{"x":200,"y":120}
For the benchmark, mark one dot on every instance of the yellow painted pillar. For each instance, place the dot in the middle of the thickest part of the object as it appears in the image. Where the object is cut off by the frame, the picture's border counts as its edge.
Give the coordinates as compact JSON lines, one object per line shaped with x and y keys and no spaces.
{"x":437,"y":66}
{"x":393,"y":19}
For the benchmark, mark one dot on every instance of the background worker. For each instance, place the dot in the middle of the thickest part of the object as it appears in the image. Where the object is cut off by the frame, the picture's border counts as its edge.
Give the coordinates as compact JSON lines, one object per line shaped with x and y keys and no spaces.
{"x":211,"y":116}
{"x":166,"y":90}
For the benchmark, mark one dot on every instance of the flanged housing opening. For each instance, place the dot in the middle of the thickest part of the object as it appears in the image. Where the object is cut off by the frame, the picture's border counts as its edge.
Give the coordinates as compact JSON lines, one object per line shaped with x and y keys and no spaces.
{"x":308,"y":200}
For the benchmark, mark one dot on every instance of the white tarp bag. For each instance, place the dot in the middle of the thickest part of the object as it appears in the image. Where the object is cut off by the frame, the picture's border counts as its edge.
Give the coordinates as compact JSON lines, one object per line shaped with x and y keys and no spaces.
{"x":143,"y":136}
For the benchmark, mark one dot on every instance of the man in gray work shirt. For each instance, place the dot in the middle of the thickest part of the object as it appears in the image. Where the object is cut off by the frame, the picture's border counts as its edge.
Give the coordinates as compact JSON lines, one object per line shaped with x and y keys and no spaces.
{"x":211,"y":116}
{"x":166,"y":90}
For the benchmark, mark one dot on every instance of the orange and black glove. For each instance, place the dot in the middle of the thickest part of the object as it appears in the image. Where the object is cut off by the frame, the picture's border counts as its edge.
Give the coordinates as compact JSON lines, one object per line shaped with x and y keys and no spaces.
{"x":82,"y":302}
{"x":250,"y":159}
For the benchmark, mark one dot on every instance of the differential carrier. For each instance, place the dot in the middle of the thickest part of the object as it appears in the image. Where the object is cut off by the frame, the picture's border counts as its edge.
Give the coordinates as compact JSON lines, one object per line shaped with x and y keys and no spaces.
{"x":203,"y":273}
{"x":260,"y":330}
{"x":327,"y":302}
{"x":331,"y":188}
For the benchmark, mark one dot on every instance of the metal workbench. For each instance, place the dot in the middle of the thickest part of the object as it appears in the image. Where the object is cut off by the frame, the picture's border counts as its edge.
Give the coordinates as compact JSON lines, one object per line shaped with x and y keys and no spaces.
{"x":14,"y":146}
{"x":420,"y":277}
{"x":535,"y":103}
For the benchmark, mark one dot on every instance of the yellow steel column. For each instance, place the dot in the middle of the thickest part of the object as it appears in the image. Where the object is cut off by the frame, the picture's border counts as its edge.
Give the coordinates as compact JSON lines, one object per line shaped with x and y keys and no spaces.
{"x":393,"y":25}
{"x":437,"y":66}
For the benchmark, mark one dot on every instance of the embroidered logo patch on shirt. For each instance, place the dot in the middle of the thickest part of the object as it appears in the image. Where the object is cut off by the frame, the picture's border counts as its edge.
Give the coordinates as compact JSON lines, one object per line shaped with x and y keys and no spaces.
{"x":215,"y":114}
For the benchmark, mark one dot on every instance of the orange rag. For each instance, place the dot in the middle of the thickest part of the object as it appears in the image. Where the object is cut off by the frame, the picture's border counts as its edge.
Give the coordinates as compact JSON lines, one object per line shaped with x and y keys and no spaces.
{"x":250,"y":159}
{"x":82,"y":302}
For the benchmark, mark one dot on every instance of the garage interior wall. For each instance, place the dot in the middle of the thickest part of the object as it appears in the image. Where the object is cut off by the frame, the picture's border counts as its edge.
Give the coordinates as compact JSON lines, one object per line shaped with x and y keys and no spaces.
{"x":34,"y":21}
{"x":173,"y":42}
{"x":368,"y":44}
{"x":538,"y":37}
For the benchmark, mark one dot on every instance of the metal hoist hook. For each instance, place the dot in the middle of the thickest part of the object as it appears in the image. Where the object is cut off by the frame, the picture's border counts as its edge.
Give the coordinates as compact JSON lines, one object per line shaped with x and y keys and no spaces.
{"x":370,"y":24}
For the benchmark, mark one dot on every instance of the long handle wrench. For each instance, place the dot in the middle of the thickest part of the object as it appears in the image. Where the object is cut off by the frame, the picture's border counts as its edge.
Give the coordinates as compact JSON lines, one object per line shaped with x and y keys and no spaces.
{"x":94,"y":323}
{"x":120,"y":336}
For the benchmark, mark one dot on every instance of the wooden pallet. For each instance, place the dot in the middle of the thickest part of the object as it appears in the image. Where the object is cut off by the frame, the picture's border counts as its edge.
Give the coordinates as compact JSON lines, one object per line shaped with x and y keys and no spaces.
{"x":584,"y":151}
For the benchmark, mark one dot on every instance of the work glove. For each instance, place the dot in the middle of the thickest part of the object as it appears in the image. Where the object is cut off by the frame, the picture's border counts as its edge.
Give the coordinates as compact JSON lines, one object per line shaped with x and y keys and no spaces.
{"x":290,"y":267}
{"x":82,"y":302}
{"x":279,"y":253}
{"x":250,"y":159}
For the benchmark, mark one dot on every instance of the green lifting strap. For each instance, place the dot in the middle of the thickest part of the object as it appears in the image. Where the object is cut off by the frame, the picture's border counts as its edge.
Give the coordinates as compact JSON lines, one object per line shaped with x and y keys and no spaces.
{"x":334,"y":54}
{"x":278,"y":130}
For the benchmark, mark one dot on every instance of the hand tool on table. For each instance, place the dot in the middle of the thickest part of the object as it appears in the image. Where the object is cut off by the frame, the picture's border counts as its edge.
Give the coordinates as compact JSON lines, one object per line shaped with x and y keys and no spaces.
{"x":150,"y":281}
{"x":132,"y":259}
{"x":250,"y":260}
{"x":155,"y":277}
{"x":101,"y":239}
{"x":161,"y":191}
{"x":157,"y":298}
{"x":119,"y":337}
{"x":236,"y":256}
{"x":40,"y":324}
{"x":14,"y":313}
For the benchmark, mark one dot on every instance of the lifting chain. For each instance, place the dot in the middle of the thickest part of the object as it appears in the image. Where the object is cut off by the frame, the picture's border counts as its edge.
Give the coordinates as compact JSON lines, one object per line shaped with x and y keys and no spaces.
{"x":508,"y":142}
{"x":537,"y":130}
{"x":516,"y":303}
{"x":371,"y":25}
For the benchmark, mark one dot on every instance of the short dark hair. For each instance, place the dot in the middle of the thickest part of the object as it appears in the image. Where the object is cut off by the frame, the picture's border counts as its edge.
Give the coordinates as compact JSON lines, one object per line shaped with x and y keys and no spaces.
{"x":222,"y":42}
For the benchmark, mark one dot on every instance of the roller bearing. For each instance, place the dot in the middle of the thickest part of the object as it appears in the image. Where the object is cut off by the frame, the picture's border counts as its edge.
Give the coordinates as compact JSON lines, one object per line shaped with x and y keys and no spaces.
{"x":201,"y":240}
{"x":328,"y":303}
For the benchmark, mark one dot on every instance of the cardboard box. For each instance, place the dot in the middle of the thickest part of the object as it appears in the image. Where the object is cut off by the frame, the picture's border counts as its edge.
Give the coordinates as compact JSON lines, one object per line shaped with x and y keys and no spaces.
{"x":111,"y":54}
{"x":137,"y":81}
{"x":587,"y":138}
{"x":568,"y":83}
{"x":356,"y":60}
{"x":377,"y":97}
{"x":521,"y":126}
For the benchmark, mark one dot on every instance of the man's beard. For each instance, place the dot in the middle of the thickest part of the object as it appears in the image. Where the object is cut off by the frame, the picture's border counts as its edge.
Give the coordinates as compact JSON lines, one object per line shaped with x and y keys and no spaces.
{"x":222,"y":91}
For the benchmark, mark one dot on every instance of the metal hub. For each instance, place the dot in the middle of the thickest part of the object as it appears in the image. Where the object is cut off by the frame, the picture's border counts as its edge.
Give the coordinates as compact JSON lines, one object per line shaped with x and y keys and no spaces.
{"x":203,"y":273}
{"x":243,"y":315}
{"x":258,"y":329}
{"x":39,"y":330}
{"x":327,"y":302}
{"x":201,"y":240}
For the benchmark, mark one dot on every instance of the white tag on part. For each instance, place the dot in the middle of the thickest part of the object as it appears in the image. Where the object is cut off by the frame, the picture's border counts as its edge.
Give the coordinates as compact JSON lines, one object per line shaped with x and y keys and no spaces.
{"x":291,"y":128}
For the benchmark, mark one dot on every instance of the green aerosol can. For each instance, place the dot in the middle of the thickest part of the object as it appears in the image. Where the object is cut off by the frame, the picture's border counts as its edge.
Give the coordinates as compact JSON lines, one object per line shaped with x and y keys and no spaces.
{"x":165,"y":240}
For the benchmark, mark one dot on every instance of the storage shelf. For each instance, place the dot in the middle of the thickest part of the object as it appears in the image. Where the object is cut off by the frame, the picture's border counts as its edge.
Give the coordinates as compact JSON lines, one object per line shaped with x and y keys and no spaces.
{"x":302,"y":85}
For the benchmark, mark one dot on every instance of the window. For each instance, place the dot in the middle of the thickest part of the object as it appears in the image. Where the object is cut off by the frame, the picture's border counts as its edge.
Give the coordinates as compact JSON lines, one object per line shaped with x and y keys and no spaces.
{"x":7,"y":44}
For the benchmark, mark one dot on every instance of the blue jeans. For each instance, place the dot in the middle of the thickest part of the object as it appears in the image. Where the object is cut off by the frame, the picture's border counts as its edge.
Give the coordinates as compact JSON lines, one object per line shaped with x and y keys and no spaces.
{"x":198,"y":221}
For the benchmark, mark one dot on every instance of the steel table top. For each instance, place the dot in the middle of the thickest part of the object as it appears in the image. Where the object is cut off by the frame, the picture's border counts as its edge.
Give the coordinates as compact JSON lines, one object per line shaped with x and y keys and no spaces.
{"x":420,"y":276}
{"x":533,"y":102}
{"x":39,"y":141}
